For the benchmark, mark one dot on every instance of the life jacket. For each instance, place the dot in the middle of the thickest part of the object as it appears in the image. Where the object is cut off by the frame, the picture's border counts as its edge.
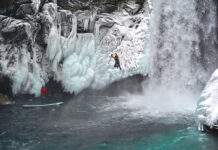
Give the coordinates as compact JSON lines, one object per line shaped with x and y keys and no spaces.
{"x":116,"y":57}
{"x":43,"y":91}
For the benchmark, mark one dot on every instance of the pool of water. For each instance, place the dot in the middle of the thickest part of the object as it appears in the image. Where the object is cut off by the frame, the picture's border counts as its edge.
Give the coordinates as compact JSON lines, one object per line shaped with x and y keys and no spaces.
{"x":98,"y":123}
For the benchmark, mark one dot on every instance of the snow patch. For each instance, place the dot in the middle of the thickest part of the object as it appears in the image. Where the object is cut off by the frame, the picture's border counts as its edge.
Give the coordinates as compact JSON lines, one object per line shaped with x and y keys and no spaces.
{"x":207,"y":112}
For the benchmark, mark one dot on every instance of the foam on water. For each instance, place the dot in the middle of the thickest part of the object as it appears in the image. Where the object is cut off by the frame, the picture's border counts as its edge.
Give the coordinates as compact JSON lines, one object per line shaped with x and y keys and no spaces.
{"x":178,"y":56}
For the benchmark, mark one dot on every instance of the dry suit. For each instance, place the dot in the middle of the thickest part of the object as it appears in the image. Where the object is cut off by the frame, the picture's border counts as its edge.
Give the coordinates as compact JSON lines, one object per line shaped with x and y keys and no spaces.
{"x":117,"y":61}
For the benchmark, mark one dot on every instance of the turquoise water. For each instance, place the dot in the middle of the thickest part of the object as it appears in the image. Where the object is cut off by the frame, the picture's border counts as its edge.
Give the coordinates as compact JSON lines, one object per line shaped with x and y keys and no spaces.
{"x":184,"y":139}
{"x":97,"y":123}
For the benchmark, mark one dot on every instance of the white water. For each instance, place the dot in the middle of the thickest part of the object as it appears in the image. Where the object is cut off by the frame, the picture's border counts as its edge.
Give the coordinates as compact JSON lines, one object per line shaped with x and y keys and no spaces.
{"x":173,"y":34}
{"x":176,"y":73}
{"x":161,"y":102}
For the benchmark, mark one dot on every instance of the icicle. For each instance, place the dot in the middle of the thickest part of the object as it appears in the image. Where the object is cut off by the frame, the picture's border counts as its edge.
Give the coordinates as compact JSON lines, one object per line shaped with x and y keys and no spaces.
{"x":74,"y":28}
{"x":96,"y":32}
{"x":35,"y":5}
{"x":86,"y":25}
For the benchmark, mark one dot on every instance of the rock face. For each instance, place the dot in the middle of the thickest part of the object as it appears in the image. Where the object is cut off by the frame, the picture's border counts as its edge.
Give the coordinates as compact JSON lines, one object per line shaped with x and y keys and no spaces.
{"x":105,"y":6}
{"x":37,"y":38}
{"x":4,"y":100}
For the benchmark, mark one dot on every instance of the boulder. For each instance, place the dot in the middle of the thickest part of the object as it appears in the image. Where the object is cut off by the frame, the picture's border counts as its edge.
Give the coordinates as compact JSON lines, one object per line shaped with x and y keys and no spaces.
{"x":27,"y":9}
{"x":10,"y":27}
{"x":65,"y":21}
{"x":4,"y":100}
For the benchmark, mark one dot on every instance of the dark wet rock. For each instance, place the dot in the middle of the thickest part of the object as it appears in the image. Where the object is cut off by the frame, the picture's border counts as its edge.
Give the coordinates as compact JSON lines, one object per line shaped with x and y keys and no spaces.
{"x":19,"y":2}
{"x":65,"y":22}
{"x":3,"y":11}
{"x":5,"y":87}
{"x":6,"y":3}
{"x":47,"y":19}
{"x":9,"y":10}
{"x":211,"y":129}
{"x":85,"y":21}
{"x":10,"y":28}
{"x":24,"y":9}
{"x":106,"y":6}
{"x":4,"y":100}
{"x":122,"y":86}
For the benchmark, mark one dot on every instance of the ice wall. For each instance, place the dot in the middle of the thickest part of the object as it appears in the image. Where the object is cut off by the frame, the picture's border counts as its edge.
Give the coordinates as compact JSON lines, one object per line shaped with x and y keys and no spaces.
{"x":91,"y":65}
{"x":44,"y":42}
{"x":125,"y":35}
{"x":118,"y":37}
{"x":72,"y":60}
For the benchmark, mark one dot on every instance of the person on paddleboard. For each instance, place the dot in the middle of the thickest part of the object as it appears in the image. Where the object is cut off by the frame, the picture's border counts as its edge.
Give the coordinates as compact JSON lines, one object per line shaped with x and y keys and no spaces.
{"x":117,"y":61}
{"x":43,"y":91}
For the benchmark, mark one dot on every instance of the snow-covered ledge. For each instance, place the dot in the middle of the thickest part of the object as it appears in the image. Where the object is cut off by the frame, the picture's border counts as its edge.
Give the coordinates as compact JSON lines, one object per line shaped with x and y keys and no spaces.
{"x":207,"y":109}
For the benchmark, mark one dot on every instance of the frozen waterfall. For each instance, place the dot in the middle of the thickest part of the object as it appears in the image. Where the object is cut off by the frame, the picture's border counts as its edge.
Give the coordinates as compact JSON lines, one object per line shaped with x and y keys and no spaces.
{"x":73,"y":49}
{"x":72,"y":59}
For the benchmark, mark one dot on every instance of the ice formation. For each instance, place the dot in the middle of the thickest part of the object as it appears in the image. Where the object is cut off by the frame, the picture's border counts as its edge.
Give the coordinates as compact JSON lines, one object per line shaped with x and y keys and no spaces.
{"x":49,"y":46}
{"x":175,"y":44}
{"x":77,"y":52}
{"x":207,"y":112}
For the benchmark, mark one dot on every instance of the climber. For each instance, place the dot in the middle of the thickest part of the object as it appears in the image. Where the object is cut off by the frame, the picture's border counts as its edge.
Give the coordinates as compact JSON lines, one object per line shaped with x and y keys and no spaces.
{"x":43,"y":91}
{"x":117,"y":61}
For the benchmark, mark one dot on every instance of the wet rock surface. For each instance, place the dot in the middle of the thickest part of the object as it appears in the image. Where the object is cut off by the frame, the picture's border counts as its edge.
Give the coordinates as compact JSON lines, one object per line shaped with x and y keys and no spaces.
{"x":4,"y":100}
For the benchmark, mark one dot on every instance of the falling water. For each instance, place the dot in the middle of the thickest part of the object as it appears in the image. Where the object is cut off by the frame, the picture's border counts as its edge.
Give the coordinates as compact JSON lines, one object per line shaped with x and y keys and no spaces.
{"x":183,"y":43}
{"x":183,"y":54}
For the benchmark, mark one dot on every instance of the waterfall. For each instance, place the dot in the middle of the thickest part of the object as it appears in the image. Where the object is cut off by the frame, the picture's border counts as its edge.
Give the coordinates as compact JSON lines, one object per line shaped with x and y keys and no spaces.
{"x":183,"y":41}
{"x":182,"y":53}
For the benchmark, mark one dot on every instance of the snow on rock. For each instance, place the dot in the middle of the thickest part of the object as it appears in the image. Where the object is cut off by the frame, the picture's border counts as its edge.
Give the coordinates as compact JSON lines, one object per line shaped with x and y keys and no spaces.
{"x":86,"y":20}
{"x":127,"y":42}
{"x":207,"y":112}
{"x":35,"y":5}
{"x":28,"y":9}
{"x":10,"y":27}
{"x":72,"y":49}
